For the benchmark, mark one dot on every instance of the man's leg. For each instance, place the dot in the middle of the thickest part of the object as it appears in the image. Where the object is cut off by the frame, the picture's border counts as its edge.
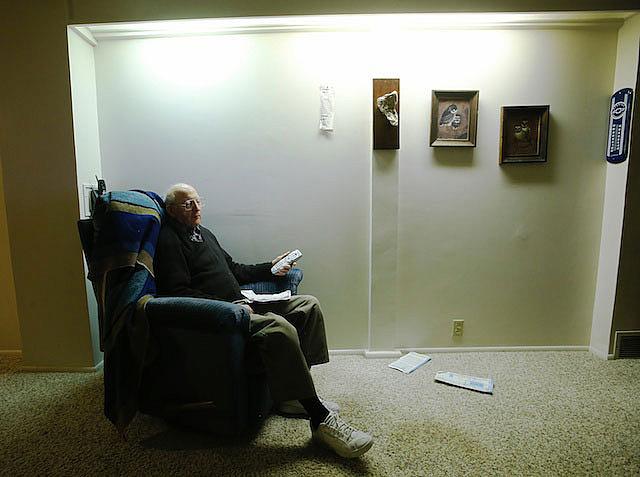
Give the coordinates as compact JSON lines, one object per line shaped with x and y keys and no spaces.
{"x":287,"y":371}
{"x":277,"y":341}
{"x":303,"y":312}
{"x":289,"y":379}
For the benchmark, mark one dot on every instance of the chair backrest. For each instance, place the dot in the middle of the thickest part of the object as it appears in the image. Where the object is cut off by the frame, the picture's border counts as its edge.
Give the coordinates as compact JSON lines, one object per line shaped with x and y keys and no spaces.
{"x":119,"y":243}
{"x":291,"y":281}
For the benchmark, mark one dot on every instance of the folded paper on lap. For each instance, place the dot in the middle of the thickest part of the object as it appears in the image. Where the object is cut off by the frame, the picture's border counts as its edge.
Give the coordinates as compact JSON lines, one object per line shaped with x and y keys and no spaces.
{"x":265,"y":297}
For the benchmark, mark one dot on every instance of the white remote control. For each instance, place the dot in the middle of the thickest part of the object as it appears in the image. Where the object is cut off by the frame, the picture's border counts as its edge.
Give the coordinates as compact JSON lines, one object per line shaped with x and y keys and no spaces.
{"x":288,"y":260}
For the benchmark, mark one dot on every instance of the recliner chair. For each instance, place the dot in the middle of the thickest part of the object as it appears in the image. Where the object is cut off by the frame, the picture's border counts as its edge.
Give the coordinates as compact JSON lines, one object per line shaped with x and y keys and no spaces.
{"x":199,"y":371}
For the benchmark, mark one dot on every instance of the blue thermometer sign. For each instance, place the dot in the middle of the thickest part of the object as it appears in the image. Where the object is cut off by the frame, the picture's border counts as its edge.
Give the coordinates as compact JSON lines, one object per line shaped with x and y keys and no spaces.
{"x":619,"y":125}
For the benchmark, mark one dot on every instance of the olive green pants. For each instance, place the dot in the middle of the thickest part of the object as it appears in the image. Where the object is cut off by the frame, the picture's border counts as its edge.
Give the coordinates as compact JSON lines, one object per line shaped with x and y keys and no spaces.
{"x":290,"y":338}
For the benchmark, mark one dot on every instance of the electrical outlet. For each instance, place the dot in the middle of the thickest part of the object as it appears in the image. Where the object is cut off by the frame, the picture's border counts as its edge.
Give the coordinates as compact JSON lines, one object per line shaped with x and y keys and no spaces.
{"x":458,"y":327}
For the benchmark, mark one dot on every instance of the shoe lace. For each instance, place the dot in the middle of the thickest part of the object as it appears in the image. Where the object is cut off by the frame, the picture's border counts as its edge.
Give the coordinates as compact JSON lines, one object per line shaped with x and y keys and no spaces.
{"x":340,"y":427}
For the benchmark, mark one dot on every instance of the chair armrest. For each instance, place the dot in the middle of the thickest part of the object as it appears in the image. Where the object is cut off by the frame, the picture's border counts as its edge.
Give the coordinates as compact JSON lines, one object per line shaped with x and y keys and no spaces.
{"x":277,"y":284}
{"x":198,"y":314}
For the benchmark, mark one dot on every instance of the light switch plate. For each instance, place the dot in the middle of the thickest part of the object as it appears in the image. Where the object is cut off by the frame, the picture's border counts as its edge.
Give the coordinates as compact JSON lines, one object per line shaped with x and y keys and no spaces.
{"x":86,"y":200}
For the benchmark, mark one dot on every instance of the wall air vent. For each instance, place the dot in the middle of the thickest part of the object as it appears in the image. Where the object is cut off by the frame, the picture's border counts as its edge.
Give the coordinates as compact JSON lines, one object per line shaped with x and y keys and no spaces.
{"x":627,"y":344}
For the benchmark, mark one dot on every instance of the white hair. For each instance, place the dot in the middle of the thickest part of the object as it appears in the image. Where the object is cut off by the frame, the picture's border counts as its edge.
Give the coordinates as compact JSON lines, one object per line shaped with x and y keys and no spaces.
{"x":170,"y":196}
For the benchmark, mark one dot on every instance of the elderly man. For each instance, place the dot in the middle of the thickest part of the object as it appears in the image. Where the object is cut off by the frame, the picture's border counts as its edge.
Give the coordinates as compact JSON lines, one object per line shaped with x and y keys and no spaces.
{"x":289,"y":335}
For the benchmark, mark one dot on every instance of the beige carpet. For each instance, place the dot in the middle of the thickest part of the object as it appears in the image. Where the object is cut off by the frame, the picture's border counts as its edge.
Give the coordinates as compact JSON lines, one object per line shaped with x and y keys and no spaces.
{"x":552,"y":413}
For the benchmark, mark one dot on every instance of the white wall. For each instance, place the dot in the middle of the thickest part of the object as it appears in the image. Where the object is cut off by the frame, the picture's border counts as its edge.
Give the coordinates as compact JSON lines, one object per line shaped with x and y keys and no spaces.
{"x":87,"y":144}
{"x":512,"y":250}
{"x":616,"y":183}
{"x":237,"y":116}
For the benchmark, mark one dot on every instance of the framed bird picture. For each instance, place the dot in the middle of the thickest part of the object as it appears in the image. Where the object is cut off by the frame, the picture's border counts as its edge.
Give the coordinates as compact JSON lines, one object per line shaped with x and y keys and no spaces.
{"x":454,"y":118}
{"x":524,"y":132}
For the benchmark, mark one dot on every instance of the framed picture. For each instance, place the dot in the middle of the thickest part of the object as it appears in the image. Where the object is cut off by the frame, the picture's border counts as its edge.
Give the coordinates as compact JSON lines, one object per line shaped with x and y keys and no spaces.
{"x":454,"y":118}
{"x":524,"y":131}
{"x":386,"y":113}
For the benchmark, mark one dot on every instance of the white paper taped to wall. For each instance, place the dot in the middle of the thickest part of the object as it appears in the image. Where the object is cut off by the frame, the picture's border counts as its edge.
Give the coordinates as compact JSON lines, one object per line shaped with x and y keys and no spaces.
{"x":327,"y":107}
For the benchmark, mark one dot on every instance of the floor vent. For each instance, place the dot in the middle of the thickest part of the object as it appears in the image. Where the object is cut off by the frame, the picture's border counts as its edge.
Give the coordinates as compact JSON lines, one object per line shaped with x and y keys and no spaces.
{"x":627,"y":344}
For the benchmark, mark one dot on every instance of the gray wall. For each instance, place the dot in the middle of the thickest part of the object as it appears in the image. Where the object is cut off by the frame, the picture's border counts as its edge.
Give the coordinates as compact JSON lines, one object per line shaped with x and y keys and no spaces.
{"x":9,"y":328}
{"x":37,"y":151}
{"x":237,"y":117}
{"x":626,"y":316}
{"x":87,"y":148}
{"x":510,"y":249}
{"x":610,"y":268}
{"x":41,"y":195}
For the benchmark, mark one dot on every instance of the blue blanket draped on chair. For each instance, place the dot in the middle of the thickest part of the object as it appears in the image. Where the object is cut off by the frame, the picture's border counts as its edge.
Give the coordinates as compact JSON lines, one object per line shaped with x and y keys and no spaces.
{"x":127,"y":225}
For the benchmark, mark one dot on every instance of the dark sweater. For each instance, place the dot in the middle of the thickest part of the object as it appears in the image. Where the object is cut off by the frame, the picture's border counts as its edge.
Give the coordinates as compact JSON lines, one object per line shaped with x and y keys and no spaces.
{"x":200,"y":269}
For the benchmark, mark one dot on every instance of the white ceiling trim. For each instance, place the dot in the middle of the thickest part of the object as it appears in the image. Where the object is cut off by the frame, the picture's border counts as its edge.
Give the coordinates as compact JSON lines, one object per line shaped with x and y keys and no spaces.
{"x":85,"y":34}
{"x":436,"y":21}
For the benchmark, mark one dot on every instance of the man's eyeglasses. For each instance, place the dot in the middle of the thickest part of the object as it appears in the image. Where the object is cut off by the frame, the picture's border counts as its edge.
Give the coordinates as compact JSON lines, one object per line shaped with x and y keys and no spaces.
{"x":191,"y":204}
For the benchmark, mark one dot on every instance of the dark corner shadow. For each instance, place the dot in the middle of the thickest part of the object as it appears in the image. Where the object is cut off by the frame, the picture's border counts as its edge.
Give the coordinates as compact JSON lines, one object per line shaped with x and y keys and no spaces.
{"x":385,"y":159}
{"x":453,"y":156}
{"x":58,"y":418}
{"x":181,"y":438}
{"x":537,"y":172}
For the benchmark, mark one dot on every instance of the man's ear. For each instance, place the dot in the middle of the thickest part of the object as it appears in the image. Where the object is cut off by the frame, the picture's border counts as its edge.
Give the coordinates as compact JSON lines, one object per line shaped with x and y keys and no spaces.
{"x":170,"y":209}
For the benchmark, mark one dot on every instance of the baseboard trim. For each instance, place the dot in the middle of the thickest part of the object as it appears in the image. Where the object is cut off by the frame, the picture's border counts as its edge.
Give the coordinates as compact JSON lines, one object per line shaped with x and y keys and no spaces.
{"x":10,"y":352}
{"x":382,"y":354}
{"x":346,"y":352}
{"x":62,"y":369}
{"x":466,"y":349}
{"x":366,"y":353}
{"x":495,"y":349}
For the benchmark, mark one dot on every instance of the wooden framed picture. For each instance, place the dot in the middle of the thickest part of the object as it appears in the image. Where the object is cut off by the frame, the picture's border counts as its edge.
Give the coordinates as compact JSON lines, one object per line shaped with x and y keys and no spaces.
{"x":454,"y":118}
{"x":524,"y":131}
{"x":386,"y":113}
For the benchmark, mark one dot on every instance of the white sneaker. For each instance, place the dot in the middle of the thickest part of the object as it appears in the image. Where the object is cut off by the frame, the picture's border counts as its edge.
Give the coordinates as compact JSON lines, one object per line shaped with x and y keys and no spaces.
{"x":295,"y":409}
{"x":343,"y":439}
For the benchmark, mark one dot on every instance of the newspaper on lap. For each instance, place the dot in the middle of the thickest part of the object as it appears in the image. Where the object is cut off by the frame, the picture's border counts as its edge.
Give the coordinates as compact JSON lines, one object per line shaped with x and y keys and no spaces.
{"x":265,"y":298}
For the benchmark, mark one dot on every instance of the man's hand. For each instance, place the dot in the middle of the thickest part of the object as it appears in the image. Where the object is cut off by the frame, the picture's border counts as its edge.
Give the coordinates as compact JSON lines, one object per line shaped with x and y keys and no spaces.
{"x":286,"y":268}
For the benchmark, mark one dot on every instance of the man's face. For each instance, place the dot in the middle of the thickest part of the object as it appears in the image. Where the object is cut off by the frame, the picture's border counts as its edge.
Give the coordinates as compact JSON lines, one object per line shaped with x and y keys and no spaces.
{"x":186,"y":208}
